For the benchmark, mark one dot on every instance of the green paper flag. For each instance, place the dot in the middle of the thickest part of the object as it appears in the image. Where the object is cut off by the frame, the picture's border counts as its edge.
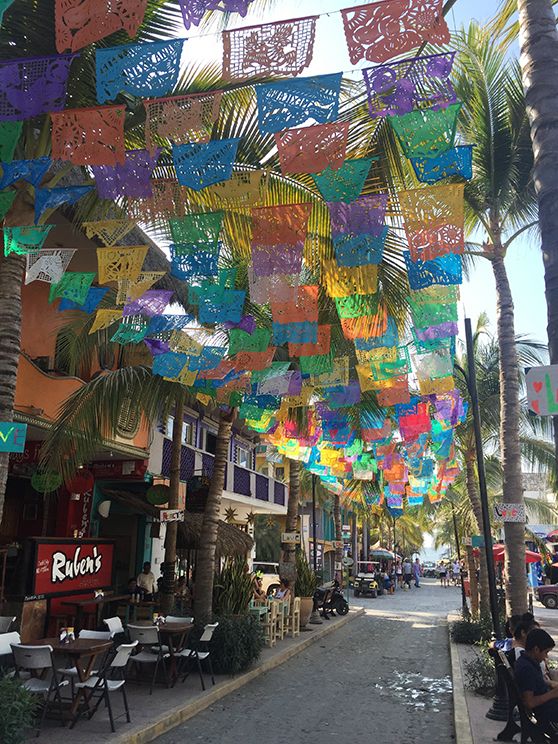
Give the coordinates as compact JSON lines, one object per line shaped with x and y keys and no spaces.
{"x":200,"y":229}
{"x":73,"y":286}
{"x":428,"y":132}
{"x":346,"y":183}
{"x":357,"y":306}
{"x":27,"y":239}
{"x":317,"y":365}
{"x":10,"y":132}
{"x":239,"y":340}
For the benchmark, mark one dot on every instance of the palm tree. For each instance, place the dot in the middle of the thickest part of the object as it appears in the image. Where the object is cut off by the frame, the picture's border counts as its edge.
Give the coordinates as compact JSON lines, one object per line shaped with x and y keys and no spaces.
{"x":501,"y":205}
{"x":532,"y":434}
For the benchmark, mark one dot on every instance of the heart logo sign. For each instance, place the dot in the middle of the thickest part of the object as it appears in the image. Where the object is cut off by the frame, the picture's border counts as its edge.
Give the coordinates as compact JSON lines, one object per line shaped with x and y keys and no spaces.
{"x":537,"y":386}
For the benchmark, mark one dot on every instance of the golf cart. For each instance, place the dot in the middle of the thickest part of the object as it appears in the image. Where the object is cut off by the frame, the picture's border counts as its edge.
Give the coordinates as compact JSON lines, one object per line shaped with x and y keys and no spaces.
{"x":367,"y":580}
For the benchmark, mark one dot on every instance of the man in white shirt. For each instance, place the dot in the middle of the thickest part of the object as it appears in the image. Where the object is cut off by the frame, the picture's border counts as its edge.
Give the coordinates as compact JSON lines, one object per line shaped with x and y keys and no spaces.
{"x":146,"y":581}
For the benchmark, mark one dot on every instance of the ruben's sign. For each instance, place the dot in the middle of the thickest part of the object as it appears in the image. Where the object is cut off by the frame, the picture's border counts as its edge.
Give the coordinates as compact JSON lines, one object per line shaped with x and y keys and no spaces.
{"x":65,"y":566}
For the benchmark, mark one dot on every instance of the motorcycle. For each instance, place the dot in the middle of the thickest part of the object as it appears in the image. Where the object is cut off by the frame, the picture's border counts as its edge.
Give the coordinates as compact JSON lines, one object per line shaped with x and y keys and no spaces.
{"x":329,"y":599}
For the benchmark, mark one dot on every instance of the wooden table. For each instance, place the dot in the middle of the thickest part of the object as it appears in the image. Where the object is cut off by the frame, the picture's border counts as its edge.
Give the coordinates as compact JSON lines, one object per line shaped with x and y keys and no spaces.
{"x":83,"y":652}
{"x":258,"y":611}
{"x":173,"y":635}
{"x":97,"y":602}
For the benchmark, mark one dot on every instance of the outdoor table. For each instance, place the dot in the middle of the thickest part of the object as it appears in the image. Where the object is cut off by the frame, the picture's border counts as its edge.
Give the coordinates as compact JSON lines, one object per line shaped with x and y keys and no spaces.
{"x":132,"y":610}
{"x":83,"y":652}
{"x":172,"y":634}
{"x":258,"y":611}
{"x":97,"y":602}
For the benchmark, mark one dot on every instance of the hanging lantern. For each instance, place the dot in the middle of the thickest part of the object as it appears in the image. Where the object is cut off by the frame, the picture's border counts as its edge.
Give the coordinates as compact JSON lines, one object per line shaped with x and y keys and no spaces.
{"x":45,"y":482}
{"x":81,"y":482}
{"x":158,"y":494}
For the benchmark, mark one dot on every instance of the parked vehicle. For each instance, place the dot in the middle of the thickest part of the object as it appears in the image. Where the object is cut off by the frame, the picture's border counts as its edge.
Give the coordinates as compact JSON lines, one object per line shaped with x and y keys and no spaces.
{"x":429,"y":570}
{"x":366,"y":581}
{"x":329,"y":599}
{"x":269,"y":573}
{"x":548,"y":595}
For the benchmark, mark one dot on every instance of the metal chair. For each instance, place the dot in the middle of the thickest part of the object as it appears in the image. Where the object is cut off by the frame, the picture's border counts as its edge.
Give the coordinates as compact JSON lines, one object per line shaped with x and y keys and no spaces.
{"x":72,"y":672}
{"x":112,"y":677}
{"x":188,"y":654}
{"x":37,"y":660}
{"x":148,"y":637}
{"x":6,"y":622}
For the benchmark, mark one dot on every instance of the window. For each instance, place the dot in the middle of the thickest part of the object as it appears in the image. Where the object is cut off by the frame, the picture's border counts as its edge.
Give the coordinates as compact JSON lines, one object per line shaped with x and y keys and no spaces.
{"x":280,"y":473}
{"x":243,"y":456}
{"x":264,"y":469}
{"x":187,"y":430}
{"x":210,"y":443}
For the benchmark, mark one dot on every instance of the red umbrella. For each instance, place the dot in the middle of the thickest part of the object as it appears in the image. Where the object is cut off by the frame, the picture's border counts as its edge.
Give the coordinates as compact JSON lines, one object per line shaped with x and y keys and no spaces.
{"x":530,"y":555}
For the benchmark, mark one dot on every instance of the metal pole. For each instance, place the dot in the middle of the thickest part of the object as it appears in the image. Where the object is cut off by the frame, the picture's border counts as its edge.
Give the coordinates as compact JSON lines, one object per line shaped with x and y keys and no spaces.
{"x":472,"y":387}
{"x":314,"y":542}
{"x":393,"y":538}
{"x":464,"y":605}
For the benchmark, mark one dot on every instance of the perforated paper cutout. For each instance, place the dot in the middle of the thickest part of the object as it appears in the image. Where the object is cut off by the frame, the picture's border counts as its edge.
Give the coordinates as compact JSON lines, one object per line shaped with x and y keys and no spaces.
{"x":140,"y":69}
{"x":105,"y":318}
{"x":92,"y":300}
{"x":4,"y":5}
{"x":359,"y":250}
{"x":32,"y":171}
{"x":312,"y":149}
{"x":48,"y":265}
{"x":419,"y":82}
{"x":341,"y":281}
{"x":109,"y":232}
{"x":346,"y":183}
{"x":194,"y":265}
{"x":274,"y":288}
{"x":426,"y":133}
{"x":130,"y":178}
{"x":10,"y":132}
{"x":93,"y":136}
{"x":443,"y":270}
{"x":290,"y":103}
{"x":202,"y":164}
{"x":25,"y":239}
{"x":304,"y":308}
{"x":366,"y":327}
{"x":382,"y":30}
{"x":283,"y":48}
{"x":364,"y":215}
{"x":194,"y":10}
{"x":295,"y":333}
{"x":73,"y":286}
{"x":168,"y":200}
{"x":131,"y":290}
{"x":338,"y":376}
{"x":153,"y":302}
{"x":181,"y":119}
{"x":434,"y":220}
{"x":83,"y":22}
{"x":30,"y":87}
{"x":54,"y":198}
{"x":457,"y":161}
{"x":246,"y":188}
{"x":132,"y":330}
{"x":201,"y":229}
{"x":120,"y":262}
{"x":320,"y":347}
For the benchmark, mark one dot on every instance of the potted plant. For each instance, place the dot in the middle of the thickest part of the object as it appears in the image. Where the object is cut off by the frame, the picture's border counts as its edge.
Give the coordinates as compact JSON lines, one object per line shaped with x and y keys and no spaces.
{"x":306,"y":583}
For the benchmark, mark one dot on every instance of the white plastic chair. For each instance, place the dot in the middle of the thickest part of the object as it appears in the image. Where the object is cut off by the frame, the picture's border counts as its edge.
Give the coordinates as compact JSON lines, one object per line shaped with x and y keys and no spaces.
{"x":148,"y":637}
{"x":188,"y":654}
{"x":6,"y":622}
{"x":114,"y":624}
{"x":110,"y":679}
{"x":92,"y":635}
{"x":169,"y":620}
{"x":37,"y":660}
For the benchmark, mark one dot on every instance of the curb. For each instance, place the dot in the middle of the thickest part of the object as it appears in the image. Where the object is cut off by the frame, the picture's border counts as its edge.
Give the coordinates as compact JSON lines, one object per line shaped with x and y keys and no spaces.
{"x":462,"y":724}
{"x":177,"y":715}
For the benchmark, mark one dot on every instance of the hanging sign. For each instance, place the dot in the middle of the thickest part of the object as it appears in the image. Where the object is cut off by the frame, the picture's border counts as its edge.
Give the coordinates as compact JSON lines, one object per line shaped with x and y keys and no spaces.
{"x":172,"y":515}
{"x":66,"y":566}
{"x":477,"y":541}
{"x":338,"y":566}
{"x":12,"y":436}
{"x":348,"y":561}
{"x":509,"y":512}
{"x":468,"y":541}
{"x":290,"y":537}
{"x":542,"y":389}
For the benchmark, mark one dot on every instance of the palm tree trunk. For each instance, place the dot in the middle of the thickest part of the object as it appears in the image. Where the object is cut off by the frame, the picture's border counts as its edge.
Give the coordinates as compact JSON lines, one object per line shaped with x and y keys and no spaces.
{"x":538,"y":40}
{"x":473,"y":583}
{"x":287,"y":564}
{"x":510,"y":452}
{"x":474,"y":497}
{"x":205,"y":565}
{"x":168,"y":568}
{"x":12,"y":271}
{"x":338,"y":535}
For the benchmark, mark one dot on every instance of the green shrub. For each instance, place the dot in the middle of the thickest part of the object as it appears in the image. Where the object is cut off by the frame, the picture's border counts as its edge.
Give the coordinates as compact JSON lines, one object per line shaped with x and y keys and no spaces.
{"x":480,"y":674}
{"x":233,"y":588}
{"x":17,"y":711}
{"x":236,"y":643}
{"x":306,"y":579}
{"x":469,"y":631}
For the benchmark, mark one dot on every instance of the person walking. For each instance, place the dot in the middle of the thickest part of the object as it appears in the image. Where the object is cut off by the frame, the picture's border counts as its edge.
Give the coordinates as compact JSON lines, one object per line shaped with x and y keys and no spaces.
{"x":417,"y":573}
{"x":399,"y":574}
{"x":407,"y":573}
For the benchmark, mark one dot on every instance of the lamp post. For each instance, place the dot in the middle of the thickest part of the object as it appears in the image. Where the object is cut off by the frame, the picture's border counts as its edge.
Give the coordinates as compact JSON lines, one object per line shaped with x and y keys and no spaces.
{"x":464,"y":605}
{"x":314,"y":543}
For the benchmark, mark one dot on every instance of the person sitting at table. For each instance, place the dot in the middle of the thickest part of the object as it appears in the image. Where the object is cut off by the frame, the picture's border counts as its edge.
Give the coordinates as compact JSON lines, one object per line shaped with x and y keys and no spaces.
{"x":536,"y":693}
{"x":258,"y":593}
{"x":284,"y":591}
{"x":146,"y":582}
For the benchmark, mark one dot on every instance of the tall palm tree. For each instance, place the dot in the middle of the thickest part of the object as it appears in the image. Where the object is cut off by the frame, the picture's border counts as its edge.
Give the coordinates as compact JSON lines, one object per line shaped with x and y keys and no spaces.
{"x":500,"y":205}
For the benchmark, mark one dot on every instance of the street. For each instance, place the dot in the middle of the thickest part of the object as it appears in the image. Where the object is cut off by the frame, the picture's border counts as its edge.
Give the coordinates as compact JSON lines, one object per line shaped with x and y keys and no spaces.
{"x":384,"y":677}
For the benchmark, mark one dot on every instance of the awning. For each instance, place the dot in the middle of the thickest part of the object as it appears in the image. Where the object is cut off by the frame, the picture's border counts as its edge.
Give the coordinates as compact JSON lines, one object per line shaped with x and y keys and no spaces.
{"x":230,"y":539}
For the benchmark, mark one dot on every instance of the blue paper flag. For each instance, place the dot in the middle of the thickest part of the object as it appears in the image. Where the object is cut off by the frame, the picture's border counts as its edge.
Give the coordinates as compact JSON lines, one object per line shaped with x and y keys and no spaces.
{"x":169,"y":364}
{"x":193,"y":266}
{"x":209,"y":358}
{"x":457,"y":161}
{"x":31,"y":171}
{"x":165,"y":323}
{"x":359,"y":250}
{"x":202,"y":164}
{"x":146,"y":70}
{"x":295,"y":333}
{"x":441,"y":270}
{"x":52,"y":198}
{"x":219,"y":305}
{"x":289,"y":103}
{"x":92,"y":301}
{"x":388,"y":339}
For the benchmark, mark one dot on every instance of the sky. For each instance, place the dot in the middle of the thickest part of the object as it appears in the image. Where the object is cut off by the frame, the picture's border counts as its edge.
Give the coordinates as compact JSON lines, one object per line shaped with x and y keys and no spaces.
{"x":524,"y":262}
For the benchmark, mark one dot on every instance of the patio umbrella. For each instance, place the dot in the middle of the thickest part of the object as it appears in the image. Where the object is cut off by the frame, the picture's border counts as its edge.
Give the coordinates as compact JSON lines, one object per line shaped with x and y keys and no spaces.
{"x":382,"y":553}
{"x":530,"y":555}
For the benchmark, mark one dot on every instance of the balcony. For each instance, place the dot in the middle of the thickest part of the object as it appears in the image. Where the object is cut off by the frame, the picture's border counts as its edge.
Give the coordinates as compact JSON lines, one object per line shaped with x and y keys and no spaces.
{"x":238,"y":480}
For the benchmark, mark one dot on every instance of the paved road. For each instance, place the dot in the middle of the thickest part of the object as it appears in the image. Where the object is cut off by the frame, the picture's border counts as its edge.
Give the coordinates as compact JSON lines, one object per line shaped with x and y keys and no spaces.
{"x":384,"y":678}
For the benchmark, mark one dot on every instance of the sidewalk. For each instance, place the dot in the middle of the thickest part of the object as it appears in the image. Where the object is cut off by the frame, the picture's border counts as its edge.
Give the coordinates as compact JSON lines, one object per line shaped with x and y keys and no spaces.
{"x":153,"y":715}
{"x":471,"y":724}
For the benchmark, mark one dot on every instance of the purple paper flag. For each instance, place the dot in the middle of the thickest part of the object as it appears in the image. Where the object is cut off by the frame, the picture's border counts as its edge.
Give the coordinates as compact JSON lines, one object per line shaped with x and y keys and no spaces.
{"x":153,"y":302}
{"x":247,"y":324}
{"x":131,"y":178}
{"x":156,"y":346}
{"x":365,"y":215}
{"x":285,"y":259}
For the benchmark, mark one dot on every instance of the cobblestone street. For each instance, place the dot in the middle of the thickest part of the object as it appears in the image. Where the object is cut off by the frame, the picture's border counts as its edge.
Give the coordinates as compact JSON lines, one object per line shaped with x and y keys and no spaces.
{"x":385,"y":677}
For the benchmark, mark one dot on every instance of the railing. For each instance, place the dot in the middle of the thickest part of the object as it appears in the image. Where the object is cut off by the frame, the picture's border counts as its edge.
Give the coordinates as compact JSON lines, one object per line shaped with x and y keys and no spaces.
{"x":238,"y":479}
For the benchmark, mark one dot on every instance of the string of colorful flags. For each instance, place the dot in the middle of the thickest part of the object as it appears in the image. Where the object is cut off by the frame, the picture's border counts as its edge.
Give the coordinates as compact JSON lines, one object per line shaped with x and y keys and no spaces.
{"x":403,"y":441}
